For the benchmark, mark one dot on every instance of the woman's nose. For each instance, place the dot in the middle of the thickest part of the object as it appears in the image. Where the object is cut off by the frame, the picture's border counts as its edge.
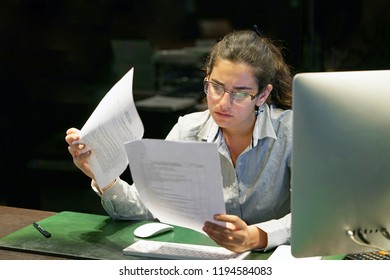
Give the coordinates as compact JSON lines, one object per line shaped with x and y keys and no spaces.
{"x":226,"y":100}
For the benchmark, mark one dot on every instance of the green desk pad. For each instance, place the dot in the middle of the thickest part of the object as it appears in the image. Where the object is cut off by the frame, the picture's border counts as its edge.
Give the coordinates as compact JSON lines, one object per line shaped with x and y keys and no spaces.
{"x":89,"y":236}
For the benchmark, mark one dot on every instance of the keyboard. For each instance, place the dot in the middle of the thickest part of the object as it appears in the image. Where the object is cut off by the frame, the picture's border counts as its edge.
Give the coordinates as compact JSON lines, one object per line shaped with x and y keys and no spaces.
{"x":376,"y":255}
{"x":170,"y":250}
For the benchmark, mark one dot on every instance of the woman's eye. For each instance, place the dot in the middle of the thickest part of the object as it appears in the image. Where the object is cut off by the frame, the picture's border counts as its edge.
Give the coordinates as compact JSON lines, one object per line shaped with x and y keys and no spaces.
{"x":241,"y":95}
{"x":217,"y":88}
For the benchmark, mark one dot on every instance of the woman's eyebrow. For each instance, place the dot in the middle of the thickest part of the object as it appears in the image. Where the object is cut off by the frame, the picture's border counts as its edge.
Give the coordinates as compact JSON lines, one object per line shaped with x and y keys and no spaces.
{"x":234,"y":88}
{"x":243,"y":88}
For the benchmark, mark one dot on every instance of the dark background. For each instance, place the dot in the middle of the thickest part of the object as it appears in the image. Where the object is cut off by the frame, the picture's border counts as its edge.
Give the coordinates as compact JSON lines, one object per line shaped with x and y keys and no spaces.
{"x":57,"y":61}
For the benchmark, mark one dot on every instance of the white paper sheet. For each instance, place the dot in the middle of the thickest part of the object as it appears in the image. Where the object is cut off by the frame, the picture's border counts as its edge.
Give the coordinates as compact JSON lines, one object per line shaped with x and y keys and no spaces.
{"x":114,"y":122}
{"x":283,"y":252}
{"x":179,"y":182}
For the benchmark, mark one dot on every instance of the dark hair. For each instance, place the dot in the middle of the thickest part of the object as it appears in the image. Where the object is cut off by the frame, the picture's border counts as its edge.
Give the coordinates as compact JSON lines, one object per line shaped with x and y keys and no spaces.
{"x":263,"y":56}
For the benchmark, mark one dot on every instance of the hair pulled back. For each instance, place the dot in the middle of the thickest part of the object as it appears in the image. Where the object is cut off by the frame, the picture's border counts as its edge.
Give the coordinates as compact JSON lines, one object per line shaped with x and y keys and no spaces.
{"x":263,"y":56}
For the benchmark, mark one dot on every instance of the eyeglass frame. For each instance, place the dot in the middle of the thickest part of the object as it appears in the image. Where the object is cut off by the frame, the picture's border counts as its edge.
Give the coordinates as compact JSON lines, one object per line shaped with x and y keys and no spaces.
{"x":232,"y":94}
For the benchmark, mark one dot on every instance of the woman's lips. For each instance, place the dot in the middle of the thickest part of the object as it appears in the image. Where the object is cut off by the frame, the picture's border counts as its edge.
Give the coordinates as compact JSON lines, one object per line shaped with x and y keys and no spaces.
{"x":223,"y":115}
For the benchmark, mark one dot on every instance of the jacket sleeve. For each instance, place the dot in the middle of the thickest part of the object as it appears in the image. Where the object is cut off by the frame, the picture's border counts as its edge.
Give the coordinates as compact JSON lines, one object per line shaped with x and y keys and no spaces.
{"x":278,"y":231}
{"x":122,"y":202}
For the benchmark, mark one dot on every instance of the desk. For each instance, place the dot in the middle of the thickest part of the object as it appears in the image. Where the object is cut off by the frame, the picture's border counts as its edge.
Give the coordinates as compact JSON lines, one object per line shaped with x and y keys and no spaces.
{"x":13,"y":219}
{"x":78,"y":236}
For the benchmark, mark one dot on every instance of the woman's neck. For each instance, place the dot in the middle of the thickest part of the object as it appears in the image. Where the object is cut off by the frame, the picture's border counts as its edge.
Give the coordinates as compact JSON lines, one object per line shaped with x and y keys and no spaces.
{"x":237,"y":141}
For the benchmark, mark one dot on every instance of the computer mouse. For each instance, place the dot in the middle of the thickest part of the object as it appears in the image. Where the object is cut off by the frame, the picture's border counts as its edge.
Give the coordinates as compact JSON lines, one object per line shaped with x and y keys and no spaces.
{"x":151,"y":229}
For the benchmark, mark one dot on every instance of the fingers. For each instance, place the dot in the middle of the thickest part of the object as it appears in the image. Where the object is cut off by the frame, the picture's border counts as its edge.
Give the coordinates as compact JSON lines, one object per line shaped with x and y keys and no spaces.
{"x":233,"y":222}
{"x":81,"y":161}
{"x":232,"y":237}
{"x":76,"y":150}
{"x":225,"y":237}
{"x":72,"y":134}
{"x":221,"y":233}
{"x":72,"y":130}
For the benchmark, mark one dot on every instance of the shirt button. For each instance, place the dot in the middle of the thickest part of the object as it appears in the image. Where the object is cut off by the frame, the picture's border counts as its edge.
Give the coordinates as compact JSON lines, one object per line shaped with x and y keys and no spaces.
{"x":114,"y":196}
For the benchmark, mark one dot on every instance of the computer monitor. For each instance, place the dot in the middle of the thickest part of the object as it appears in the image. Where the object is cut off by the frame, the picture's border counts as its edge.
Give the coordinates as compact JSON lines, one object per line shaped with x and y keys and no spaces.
{"x":340,"y":163}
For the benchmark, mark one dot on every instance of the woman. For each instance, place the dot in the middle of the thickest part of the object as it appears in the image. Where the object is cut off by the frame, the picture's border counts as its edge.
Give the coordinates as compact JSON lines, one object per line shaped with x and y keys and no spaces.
{"x":248,"y":90}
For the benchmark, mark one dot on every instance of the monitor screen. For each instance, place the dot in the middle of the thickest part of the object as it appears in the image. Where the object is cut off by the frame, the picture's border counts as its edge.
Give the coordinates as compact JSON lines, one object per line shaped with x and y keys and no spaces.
{"x":340,"y":163}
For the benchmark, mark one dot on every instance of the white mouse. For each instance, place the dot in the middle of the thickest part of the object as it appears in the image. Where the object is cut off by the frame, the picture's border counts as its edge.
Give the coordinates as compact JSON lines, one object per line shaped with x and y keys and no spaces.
{"x":151,"y":229}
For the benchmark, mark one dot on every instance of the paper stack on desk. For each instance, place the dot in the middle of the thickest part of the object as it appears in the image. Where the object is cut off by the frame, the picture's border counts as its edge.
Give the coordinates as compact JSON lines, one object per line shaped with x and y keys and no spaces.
{"x":179,"y":182}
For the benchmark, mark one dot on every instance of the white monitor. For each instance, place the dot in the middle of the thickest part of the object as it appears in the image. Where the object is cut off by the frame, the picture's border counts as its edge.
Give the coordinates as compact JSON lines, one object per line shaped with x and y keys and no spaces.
{"x":340,"y":163}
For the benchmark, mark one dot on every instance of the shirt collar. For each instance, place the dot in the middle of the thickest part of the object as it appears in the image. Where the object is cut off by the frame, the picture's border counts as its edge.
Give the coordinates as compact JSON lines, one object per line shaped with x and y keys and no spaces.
{"x":263,"y":127}
{"x":209,"y":131}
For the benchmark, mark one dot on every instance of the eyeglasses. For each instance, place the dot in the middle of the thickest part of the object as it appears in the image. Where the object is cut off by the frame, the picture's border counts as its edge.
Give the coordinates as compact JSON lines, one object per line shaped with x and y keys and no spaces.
{"x":217,"y":91}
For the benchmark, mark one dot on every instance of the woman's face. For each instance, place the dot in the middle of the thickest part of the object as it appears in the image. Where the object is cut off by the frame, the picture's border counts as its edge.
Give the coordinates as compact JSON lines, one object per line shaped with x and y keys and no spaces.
{"x":238,"y":77}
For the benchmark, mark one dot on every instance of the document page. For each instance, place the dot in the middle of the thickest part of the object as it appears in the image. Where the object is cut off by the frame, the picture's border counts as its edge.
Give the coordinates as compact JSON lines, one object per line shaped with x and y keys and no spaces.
{"x":114,"y":122}
{"x":179,"y":182}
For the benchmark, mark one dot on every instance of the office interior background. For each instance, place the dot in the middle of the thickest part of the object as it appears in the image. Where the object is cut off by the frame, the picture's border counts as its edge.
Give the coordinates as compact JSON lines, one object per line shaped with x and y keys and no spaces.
{"x":59,"y":58}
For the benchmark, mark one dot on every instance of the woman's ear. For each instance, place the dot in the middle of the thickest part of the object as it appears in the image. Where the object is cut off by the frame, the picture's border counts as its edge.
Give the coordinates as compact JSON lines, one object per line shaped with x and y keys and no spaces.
{"x":264,"y":95}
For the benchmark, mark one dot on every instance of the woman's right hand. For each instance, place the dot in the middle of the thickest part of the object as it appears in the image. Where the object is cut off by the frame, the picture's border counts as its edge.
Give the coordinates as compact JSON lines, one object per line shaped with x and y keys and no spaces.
{"x":80,"y":157}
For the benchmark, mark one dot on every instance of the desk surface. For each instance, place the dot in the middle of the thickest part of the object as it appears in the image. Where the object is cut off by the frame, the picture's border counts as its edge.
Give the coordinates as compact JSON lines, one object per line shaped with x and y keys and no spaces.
{"x":13,"y":219}
{"x":77,"y":236}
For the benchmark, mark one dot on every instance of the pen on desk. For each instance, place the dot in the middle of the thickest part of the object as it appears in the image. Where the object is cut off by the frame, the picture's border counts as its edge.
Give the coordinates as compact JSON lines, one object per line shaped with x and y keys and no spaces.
{"x":45,"y":233}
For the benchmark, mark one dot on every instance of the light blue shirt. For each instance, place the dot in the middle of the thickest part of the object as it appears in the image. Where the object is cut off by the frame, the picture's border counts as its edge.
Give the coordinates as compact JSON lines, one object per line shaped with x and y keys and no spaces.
{"x":257,"y":189}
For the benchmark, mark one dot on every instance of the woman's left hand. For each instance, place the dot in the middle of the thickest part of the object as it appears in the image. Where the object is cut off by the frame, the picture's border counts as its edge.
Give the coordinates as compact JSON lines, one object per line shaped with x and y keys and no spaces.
{"x":237,"y":236}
